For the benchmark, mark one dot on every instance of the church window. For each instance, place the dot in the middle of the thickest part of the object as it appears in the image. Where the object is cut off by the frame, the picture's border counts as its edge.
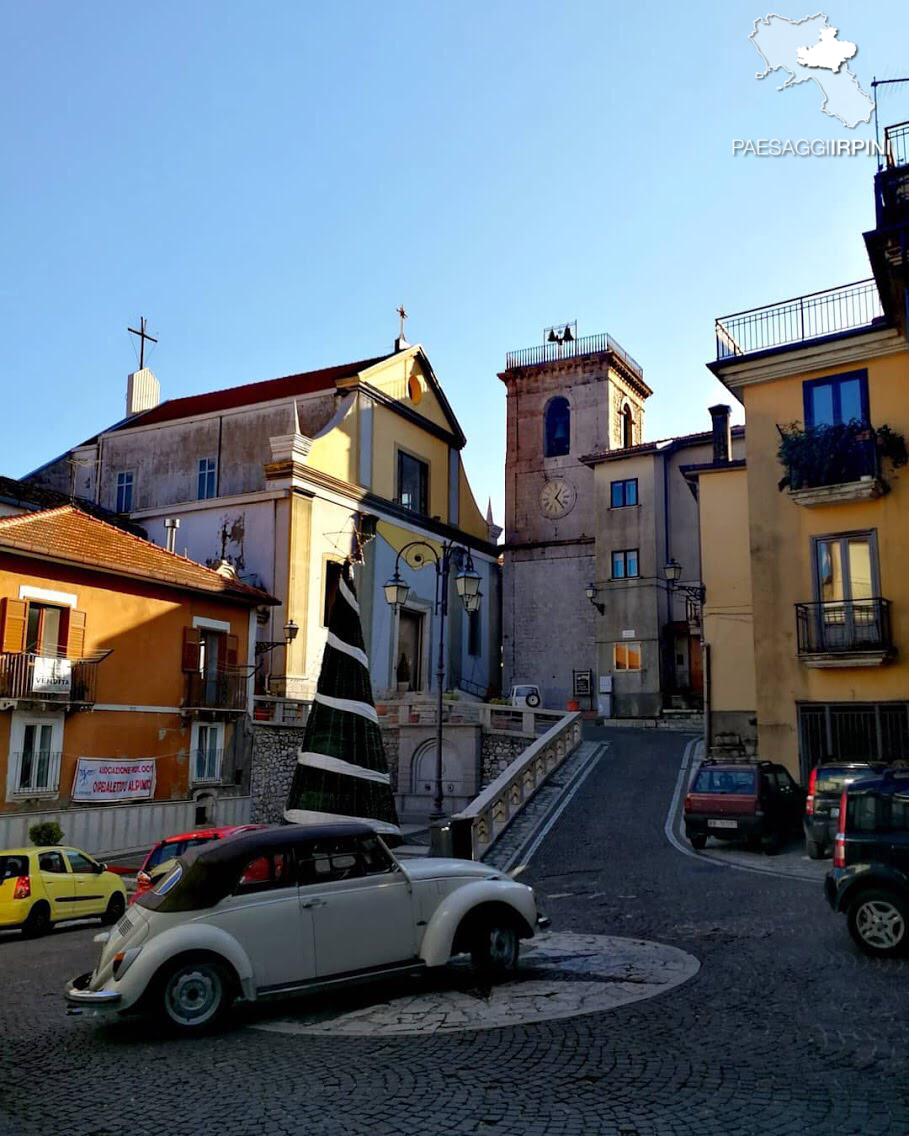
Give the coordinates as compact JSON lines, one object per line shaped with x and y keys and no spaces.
{"x":413,"y":480}
{"x":558,"y":426}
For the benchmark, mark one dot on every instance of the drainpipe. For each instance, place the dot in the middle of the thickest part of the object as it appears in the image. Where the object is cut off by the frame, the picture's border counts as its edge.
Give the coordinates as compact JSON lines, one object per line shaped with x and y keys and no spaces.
{"x":705,"y":666}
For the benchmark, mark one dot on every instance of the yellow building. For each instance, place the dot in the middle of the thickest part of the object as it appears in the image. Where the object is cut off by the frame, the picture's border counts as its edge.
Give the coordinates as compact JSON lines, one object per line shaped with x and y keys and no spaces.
{"x":282,"y":479}
{"x":823,"y":503}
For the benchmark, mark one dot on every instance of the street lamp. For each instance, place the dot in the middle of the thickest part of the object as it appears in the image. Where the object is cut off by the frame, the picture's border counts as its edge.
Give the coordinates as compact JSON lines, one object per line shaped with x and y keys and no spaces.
{"x":290,"y":633}
{"x":694,"y":594}
{"x":467,"y":583}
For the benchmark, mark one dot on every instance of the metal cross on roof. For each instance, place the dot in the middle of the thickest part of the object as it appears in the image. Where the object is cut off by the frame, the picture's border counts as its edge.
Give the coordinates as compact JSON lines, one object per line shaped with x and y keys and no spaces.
{"x":400,"y":310}
{"x":143,"y":335}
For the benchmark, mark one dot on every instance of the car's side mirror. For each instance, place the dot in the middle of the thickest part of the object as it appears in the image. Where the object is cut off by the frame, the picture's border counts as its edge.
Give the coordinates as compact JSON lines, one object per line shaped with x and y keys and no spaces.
{"x":99,"y":868}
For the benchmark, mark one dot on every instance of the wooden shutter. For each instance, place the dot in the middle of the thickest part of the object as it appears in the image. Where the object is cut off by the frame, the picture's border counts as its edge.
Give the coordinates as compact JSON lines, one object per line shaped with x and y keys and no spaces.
{"x":13,"y":622}
{"x":75,"y":637}
{"x":192,"y":647}
{"x":233,"y":651}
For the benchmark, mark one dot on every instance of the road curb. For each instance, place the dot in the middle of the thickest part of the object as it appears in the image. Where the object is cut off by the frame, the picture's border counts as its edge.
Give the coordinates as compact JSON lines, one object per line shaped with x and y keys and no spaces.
{"x":673,"y":828}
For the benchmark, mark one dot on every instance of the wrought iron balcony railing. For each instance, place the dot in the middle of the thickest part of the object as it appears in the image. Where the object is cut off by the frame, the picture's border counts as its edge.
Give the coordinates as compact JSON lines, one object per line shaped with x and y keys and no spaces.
{"x":47,"y":678}
{"x":35,"y":772}
{"x":221,"y":690}
{"x":799,"y":320}
{"x":572,"y":349}
{"x":843,"y":627}
{"x":206,"y":767}
{"x":829,"y":455}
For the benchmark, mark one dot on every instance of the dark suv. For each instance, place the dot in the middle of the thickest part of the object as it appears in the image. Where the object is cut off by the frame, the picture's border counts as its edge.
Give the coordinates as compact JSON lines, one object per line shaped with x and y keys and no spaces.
{"x":755,"y":801}
{"x":822,"y":806}
{"x":869,"y":880}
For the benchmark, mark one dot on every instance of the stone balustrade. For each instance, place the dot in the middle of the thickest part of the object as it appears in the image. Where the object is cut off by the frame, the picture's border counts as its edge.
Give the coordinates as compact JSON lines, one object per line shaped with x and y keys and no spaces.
{"x":489,"y":814}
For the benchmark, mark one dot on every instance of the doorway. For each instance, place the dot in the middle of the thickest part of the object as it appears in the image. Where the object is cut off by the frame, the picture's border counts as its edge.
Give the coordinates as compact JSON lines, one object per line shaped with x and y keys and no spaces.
{"x":409,"y":664}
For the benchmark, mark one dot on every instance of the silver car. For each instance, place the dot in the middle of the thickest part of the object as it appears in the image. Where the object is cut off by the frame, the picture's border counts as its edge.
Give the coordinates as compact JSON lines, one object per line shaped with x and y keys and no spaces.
{"x":296,"y":908}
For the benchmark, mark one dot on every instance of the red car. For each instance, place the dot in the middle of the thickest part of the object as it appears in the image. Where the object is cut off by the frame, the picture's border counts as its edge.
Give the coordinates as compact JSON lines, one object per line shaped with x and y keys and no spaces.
{"x":166,"y":851}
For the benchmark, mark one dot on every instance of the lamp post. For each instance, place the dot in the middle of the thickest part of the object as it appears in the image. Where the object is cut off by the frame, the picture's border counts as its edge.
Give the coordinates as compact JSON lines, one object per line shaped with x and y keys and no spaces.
{"x":290,"y":633}
{"x":467,"y":582}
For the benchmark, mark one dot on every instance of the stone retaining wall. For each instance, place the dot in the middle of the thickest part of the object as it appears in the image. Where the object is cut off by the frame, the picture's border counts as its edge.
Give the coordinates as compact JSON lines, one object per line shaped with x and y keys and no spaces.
{"x":498,"y":752}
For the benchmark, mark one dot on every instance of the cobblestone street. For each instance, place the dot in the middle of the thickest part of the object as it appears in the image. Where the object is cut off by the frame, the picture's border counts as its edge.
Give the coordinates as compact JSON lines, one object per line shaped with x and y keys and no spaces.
{"x":785,"y":1028}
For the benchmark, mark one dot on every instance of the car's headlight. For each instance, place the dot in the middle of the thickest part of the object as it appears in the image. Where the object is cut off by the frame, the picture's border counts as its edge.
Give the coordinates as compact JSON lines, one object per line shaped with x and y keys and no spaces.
{"x":123,"y":960}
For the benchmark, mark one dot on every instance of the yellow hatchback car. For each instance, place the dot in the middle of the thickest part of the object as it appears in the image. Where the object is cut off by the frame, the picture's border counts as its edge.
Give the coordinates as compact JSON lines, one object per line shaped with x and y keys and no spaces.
{"x":43,"y":886}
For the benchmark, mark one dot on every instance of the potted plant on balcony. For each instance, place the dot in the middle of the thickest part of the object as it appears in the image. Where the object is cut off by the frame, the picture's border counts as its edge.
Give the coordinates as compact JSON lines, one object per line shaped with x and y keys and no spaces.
{"x":834,"y":454}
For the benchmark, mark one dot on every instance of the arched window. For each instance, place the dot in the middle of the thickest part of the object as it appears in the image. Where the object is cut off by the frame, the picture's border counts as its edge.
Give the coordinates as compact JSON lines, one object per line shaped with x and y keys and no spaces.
{"x":627,"y":427}
{"x":557,"y":428}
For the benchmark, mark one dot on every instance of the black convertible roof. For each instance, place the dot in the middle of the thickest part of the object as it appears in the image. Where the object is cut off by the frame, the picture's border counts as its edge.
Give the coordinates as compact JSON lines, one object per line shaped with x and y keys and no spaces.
{"x":210,"y":871}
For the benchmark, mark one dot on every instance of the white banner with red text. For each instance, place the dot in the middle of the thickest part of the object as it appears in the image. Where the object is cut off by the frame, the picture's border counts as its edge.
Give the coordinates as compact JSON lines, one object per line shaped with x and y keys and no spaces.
{"x":109,"y":779}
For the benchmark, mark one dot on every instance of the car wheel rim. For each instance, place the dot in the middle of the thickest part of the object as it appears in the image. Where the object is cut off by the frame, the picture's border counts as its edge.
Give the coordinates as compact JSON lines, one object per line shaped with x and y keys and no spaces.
{"x":501,"y":946}
{"x":880,"y":924}
{"x":193,"y":996}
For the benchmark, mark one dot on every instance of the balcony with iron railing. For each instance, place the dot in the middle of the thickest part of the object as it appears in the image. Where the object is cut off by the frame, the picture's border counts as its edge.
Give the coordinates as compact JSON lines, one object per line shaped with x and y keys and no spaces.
{"x":220,"y":690}
{"x":891,"y":183}
{"x":803,"y":319}
{"x":844,"y":633}
{"x":30,"y":677}
{"x":554,"y":352}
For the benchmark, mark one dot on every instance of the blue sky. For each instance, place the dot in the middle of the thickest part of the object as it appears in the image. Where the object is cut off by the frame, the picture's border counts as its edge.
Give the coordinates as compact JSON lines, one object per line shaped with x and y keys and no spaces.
{"x":267,"y":183}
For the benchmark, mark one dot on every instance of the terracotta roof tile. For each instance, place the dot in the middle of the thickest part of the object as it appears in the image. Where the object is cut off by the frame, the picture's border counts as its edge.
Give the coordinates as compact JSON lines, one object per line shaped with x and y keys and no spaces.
{"x":69,"y":535}
{"x":30,"y":496}
{"x":307,"y":382}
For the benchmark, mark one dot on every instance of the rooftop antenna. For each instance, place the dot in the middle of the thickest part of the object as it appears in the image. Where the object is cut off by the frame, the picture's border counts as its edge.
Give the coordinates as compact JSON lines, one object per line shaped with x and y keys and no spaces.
{"x":143,"y":335}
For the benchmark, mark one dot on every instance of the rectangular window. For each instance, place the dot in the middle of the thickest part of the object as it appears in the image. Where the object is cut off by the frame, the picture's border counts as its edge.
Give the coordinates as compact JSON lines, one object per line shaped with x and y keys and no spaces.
{"x":43,"y":629}
{"x":624,"y":493}
{"x":625,"y":564}
{"x":34,"y":767}
{"x":207,"y":471}
{"x":207,"y":755}
{"x":413,"y":481}
{"x":837,"y":399}
{"x":124,"y":492}
{"x":627,"y":656}
{"x":473,"y":633}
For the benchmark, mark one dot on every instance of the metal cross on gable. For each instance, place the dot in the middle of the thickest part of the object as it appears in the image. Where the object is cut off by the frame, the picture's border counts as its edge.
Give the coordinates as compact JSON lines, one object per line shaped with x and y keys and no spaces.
{"x":143,"y":335}
{"x":400,"y":310}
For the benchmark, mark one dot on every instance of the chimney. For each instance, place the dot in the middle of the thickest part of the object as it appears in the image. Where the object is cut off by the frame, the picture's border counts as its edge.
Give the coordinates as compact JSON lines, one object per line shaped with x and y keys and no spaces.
{"x":171,"y":524}
{"x":722,"y":433}
{"x":143,"y":392}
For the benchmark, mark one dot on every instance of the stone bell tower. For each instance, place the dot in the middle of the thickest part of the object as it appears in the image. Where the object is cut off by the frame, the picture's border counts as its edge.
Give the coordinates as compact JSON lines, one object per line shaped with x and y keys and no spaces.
{"x":567,"y":398}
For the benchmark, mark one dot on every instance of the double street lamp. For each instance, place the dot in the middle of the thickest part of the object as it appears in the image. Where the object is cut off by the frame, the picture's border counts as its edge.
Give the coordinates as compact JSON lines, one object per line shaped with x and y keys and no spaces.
{"x":467,"y":583}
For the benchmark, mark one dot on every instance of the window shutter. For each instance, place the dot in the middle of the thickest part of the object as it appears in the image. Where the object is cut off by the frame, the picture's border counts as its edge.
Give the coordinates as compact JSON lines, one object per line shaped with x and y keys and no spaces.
{"x":75,"y":638}
{"x":192,"y":644}
{"x":233,"y":650}
{"x":13,"y":621}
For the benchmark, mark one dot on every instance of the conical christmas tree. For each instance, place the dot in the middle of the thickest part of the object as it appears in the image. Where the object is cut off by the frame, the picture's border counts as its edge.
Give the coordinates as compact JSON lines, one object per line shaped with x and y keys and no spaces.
{"x":342,"y":773}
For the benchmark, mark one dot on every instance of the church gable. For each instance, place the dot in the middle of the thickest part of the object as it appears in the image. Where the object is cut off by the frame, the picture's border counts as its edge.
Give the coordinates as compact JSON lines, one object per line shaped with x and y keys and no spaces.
{"x":408,"y":380}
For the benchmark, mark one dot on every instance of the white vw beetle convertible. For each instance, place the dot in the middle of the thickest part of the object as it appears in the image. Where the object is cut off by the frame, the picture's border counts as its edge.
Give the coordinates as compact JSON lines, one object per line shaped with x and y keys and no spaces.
{"x":294,"y":908}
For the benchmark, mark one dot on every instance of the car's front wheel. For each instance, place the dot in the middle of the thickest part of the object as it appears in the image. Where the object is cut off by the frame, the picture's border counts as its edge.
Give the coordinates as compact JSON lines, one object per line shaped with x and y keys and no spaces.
{"x":494,"y":948}
{"x":194,"y":994}
{"x":879,"y":923}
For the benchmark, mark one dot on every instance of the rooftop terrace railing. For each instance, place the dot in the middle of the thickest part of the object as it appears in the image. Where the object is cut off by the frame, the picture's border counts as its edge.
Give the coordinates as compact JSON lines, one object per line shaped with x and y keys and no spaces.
{"x":574,"y":349}
{"x":897,"y":142}
{"x":799,"y":320}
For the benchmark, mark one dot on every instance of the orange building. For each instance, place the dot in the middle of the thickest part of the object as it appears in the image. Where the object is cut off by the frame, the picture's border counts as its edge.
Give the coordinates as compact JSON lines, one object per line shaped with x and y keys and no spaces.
{"x":126,"y":672}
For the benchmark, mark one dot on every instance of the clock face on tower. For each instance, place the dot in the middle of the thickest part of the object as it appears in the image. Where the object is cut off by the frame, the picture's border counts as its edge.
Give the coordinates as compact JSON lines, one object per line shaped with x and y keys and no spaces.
{"x":557,"y":498}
